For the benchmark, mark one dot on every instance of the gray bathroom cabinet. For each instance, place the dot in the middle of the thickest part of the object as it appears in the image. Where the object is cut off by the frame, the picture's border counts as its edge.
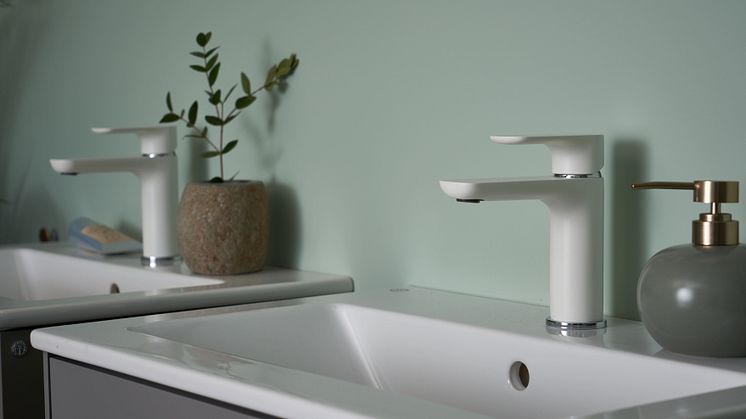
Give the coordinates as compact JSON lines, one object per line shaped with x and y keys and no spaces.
{"x":79,"y":391}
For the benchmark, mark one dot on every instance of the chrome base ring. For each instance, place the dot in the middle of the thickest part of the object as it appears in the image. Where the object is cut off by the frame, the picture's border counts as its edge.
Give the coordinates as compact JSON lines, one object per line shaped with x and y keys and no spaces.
{"x":576,"y":326}
{"x":156,"y":261}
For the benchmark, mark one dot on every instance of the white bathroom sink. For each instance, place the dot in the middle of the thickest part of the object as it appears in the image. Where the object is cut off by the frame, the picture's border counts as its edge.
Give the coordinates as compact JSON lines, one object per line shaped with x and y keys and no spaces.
{"x":31,"y":274}
{"x":419,"y":353}
{"x":486,"y":371}
{"x":53,"y":283}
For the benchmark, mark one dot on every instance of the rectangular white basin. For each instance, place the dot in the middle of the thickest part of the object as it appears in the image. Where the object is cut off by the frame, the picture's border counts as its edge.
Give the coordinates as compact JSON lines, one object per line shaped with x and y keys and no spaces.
{"x":31,"y":274}
{"x":479,"y":369}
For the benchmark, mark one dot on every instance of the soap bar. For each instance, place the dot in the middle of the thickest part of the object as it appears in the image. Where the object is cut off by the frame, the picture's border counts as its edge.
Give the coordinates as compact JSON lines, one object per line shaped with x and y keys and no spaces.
{"x":90,"y":235}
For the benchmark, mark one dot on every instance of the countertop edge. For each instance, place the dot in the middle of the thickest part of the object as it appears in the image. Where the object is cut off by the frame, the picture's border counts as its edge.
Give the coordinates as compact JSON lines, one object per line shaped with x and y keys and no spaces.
{"x":136,"y":304}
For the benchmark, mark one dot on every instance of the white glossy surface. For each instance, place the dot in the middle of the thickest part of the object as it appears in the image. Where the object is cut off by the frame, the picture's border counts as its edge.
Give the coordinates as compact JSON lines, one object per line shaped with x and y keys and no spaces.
{"x":57,"y":283}
{"x":571,"y":154}
{"x":159,"y":139}
{"x":408,"y":354}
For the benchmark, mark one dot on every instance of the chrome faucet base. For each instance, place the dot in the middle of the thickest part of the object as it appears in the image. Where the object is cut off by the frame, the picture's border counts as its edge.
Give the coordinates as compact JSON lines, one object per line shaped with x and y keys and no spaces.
{"x":601,"y":324}
{"x":158,"y":261}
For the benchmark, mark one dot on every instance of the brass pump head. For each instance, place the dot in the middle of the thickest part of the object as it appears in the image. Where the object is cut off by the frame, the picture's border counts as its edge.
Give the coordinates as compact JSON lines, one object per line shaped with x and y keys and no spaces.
{"x":713,"y":228}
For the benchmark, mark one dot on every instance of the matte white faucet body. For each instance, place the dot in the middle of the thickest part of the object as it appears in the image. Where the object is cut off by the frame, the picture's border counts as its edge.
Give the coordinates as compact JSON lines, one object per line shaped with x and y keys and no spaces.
{"x":156,"y":171}
{"x":575,"y":198}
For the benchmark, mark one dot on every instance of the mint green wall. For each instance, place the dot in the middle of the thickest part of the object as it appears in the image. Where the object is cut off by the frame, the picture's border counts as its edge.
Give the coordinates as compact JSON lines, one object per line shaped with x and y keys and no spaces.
{"x":390,"y":96}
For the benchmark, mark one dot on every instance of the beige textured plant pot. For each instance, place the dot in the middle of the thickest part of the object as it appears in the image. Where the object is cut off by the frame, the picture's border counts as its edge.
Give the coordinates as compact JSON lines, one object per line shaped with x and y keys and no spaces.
{"x":222,"y":228}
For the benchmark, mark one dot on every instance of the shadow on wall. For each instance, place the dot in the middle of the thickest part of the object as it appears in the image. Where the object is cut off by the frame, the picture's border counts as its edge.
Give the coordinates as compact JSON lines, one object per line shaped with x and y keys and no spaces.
{"x":284,"y":225}
{"x":628,"y":229}
{"x":21,"y":32}
{"x":284,"y":209}
{"x":198,"y":168}
{"x":33,"y":215}
{"x":268,"y":148}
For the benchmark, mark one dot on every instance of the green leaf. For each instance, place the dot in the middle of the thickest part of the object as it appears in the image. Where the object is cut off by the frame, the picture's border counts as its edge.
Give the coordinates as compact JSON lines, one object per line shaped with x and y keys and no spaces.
{"x":213,"y":76}
{"x":209,"y":52}
{"x":244,"y":101}
{"x":216,"y":179}
{"x":284,"y":68}
{"x":198,"y":54}
{"x":213,"y":120}
{"x":169,"y":117}
{"x":287,"y":66}
{"x":271,"y":75}
{"x":229,"y":93}
{"x":193,"y":113}
{"x":208,"y":35}
{"x":204,"y":132}
{"x":198,"y":68}
{"x":215,"y":97}
{"x":210,"y":154}
{"x":203,"y":39}
{"x":245,"y":84}
{"x":168,"y":102}
{"x":197,"y":136}
{"x":230,"y":146}
{"x":212,"y":62}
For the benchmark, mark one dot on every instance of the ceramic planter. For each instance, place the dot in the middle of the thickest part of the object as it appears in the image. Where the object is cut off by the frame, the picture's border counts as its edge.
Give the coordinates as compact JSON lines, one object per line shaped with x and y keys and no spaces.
{"x":222,"y":228}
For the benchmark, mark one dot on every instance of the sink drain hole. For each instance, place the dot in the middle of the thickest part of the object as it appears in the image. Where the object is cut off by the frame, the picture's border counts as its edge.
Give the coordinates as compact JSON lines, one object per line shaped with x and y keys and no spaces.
{"x":519,"y":376}
{"x":114,"y":288}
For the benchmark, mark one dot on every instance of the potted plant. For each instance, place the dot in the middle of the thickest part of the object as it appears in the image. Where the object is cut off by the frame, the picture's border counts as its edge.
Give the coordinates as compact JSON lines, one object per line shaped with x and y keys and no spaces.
{"x":222,"y":224}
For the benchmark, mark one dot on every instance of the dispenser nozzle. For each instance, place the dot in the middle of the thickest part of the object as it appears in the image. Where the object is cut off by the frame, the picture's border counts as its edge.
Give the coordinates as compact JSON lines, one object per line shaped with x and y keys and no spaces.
{"x":707,"y":191}
{"x":714,"y":228}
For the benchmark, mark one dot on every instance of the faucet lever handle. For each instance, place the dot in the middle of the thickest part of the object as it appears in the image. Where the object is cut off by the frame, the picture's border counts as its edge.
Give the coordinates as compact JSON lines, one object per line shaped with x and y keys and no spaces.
{"x":156,"y":140}
{"x":571,"y":154}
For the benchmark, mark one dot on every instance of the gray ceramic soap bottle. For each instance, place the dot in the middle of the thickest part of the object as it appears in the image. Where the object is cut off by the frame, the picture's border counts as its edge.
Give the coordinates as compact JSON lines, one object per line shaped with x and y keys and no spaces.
{"x":692,"y":297}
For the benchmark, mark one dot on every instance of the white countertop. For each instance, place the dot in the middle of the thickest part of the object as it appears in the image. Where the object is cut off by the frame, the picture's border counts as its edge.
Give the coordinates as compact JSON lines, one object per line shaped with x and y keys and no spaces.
{"x":120,"y":345}
{"x":270,"y":284}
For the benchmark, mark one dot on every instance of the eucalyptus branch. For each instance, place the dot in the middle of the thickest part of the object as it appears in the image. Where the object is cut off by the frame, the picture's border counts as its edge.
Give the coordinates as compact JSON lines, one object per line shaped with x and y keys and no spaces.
{"x":210,"y":66}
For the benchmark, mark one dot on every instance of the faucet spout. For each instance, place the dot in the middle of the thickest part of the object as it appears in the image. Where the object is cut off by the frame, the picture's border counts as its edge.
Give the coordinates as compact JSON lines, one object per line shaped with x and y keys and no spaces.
{"x":156,"y":171}
{"x":503,"y":189}
{"x":135,"y":165}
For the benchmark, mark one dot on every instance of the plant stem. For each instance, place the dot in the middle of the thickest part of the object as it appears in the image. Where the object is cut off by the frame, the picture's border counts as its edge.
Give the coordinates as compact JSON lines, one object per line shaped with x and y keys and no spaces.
{"x":259,"y":89}
{"x":222,"y":175}
{"x":198,"y":131}
{"x":218,"y":110}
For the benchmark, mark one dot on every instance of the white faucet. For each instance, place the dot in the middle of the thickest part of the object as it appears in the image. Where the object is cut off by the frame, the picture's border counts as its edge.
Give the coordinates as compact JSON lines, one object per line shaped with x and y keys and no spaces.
{"x":156,"y":170}
{"x":575,"y":198}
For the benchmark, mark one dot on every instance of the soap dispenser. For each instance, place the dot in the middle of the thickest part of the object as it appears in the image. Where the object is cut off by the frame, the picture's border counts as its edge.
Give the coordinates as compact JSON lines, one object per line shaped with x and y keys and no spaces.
{"x":692,"y":297}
